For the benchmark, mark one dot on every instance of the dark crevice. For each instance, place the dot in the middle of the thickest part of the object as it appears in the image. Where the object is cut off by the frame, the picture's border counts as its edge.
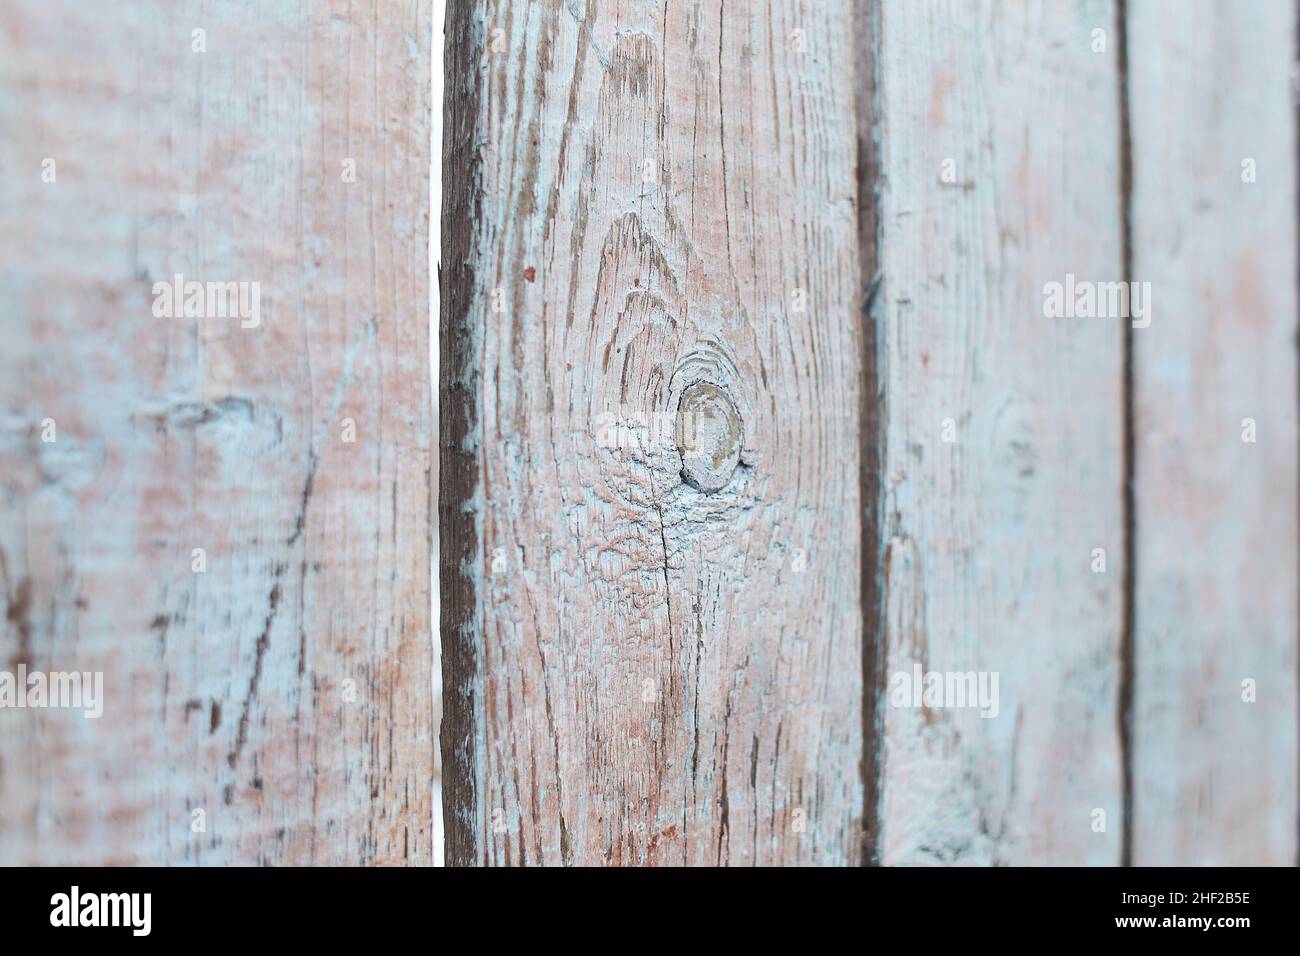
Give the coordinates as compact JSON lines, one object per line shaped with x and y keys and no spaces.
{"x":871,"y":422}
{"x":668,"y":587}
{"x":458,"y":416}
{"x":300,"y":521}
{"x":1127,"y":628}
{"x":263,"y":642}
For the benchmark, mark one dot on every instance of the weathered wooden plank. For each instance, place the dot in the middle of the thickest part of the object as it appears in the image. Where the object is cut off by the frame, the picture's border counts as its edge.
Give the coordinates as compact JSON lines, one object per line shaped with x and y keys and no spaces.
{"x":437,"y":70}
{"x":285,"y":689}
{"x":1002,"y":458}
{"x":1214,"y":233}
{"x":642,"y":198}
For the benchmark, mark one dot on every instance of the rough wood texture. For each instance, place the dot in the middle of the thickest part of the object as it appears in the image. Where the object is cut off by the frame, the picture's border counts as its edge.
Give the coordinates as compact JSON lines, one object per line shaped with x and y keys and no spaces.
{"x":1214,"y":776}
{"x":988,"y":539}
{"x":636,"y":671}
{"x":285,"y":691}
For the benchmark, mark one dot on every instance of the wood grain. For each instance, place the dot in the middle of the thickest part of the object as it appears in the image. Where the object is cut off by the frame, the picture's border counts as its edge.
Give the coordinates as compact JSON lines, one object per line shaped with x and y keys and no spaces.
{"x":285,"y":690}
{"x":1214,"y":775}
{"x":988,"y":538}
{"x":636,"y":671}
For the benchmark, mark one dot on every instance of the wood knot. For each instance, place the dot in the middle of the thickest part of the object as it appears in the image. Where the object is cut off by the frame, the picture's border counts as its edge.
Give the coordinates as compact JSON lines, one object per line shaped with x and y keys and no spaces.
{"x":710,"y":435}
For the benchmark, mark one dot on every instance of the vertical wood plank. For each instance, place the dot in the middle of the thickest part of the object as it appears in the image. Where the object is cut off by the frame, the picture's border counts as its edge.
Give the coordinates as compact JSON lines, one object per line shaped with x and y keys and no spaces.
{"x":1214,"y":776}
{"x":284,"y":691}
{"x":638,"y":670}
{"x":988,"y":537}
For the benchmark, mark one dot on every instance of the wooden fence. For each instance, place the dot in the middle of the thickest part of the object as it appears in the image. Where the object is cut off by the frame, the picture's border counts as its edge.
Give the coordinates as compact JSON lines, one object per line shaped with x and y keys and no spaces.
{"x":867,"y":432}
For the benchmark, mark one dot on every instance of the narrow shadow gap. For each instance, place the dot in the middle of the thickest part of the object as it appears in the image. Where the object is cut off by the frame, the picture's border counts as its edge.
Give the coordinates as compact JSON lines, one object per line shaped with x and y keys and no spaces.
{"x":1127,"y":629}
{"x":867,"y":17}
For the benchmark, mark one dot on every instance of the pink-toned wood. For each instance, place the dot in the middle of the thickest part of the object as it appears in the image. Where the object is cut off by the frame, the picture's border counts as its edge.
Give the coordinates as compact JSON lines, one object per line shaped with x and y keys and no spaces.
{"x":1214,"y":405}
{"x":1002,"y":456}
{"x":642,"y":197}
{"x":285,"y":690}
